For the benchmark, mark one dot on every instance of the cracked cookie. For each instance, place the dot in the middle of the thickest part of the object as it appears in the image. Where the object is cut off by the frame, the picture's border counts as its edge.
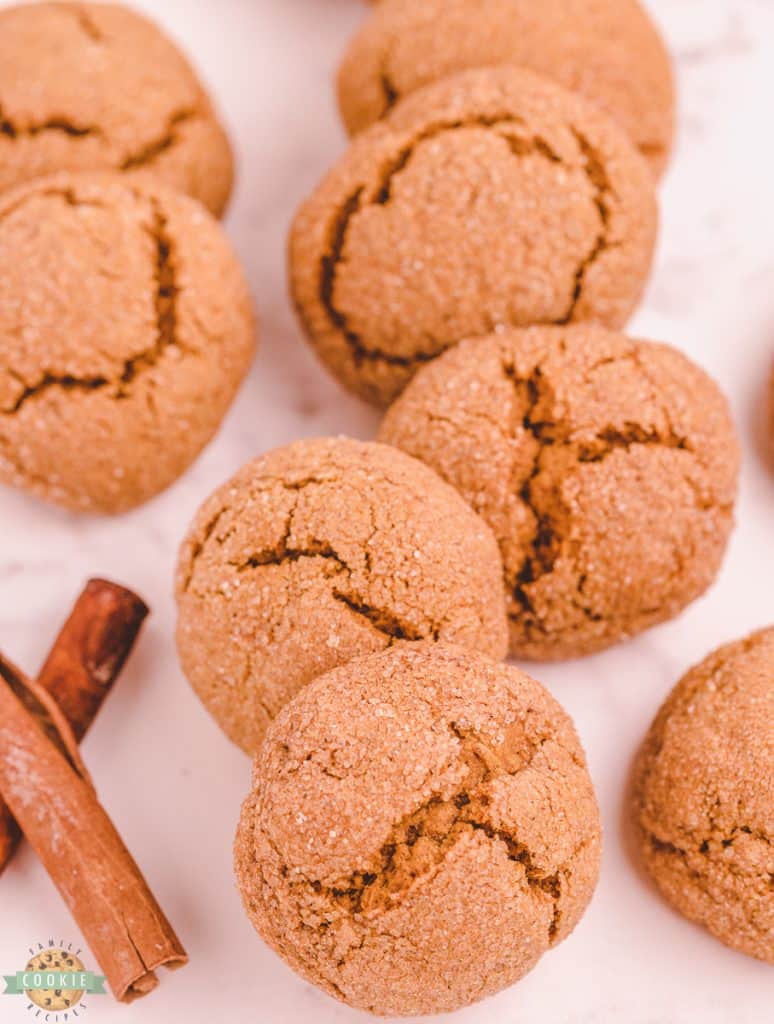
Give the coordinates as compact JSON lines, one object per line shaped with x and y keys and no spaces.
{"x":319,"y":552}
{"x":606,"y":467}
{"x":703,"y":796}
{"x":608,"y":51}
{"x":126,"y":328}
{"x":87,"y":86}
{"x":491,"y":199}
{"x":421,"y":829}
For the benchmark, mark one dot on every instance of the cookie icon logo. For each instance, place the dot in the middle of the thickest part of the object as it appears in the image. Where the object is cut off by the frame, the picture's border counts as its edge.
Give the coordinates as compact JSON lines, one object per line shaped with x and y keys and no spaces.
{"x":55,"y":998}
{"x":54,"y":980}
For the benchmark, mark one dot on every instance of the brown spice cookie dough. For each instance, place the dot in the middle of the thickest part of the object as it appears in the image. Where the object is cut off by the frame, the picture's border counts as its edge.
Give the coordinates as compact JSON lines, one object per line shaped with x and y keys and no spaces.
{"x":88,"y":86}
{"x":422,"y":828}
{"x":493,"y":198}
{"x":703,"y":795}
{"x":606,"y":467}
{"x":125,"y":330}
{"x":609,"y":51}
{"x":319,"y":552}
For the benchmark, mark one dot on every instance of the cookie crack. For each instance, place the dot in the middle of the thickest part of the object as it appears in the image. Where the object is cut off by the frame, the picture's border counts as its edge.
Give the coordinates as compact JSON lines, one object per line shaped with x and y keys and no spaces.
{"x":547,"y":542}
{"x":13,"y":130}
{"x":153,"y":149}
{"x":520,"y":147}
{"x":165,"y":303}
{"x":602,"y":189}
{"x":385,"y":621}
{"x":418,"y":844}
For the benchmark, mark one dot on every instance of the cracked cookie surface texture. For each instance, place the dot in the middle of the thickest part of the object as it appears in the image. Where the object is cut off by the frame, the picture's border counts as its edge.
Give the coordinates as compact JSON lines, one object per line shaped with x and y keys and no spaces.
{"x":609,"y":51}
{"x":493,"y":198}
{"x":317,"y":553}
{"x":606,"y":467}
{"x":703,"y":795}
{"x":126,"y":327}
{"x":99,"y":87}
{"x":421,"y":829}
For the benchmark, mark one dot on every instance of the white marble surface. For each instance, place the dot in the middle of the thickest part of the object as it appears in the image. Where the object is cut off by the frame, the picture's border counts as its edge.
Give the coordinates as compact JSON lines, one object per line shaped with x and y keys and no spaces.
{"x":172,"y":783}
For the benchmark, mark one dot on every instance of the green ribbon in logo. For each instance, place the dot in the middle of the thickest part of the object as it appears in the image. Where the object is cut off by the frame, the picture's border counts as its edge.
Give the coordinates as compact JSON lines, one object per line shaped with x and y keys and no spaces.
{"x":40,"y":981}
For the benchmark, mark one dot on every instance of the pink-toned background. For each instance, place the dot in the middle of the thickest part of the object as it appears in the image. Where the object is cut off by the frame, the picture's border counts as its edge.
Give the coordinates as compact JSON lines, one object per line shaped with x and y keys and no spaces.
{"x":172,"y":783}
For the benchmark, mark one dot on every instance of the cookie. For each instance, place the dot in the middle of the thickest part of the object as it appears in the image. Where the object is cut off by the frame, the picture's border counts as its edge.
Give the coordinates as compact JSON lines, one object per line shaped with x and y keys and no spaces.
{"x":703,"y":796}
{"x":125,"y":330}
{"x":491,"y":199}
{"x":55,"y":1000}
{"x":421,"y":829}
{"x":98,"y":87}
{"x":319,"y":552}
{"x":609,"y":51}
{"x":607,"y":468}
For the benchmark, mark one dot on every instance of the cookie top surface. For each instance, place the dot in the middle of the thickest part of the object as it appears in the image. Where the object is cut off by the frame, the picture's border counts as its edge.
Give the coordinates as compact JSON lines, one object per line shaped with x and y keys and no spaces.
{"x":320,"y":552}
{"x":492,"y":198}
{"x":609,"y":51}
{"x":98,"y":87}
{"x":125,"y":329}
{"x":703,"y":795}
{"x":606,"y":467}
{"x":422,"y":827}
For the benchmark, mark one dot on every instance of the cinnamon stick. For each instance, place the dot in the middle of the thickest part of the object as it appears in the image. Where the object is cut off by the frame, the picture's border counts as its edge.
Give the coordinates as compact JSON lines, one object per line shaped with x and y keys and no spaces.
{"x":42,"y":781}
{"x":81,"y":667}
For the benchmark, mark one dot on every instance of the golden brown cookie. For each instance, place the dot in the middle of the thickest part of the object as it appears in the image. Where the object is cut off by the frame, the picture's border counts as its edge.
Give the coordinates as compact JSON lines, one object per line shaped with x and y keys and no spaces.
{"x":319,"y":552}
{"x":703,"y":795}
{"x":609,"y":51}
{"x":491,"y":199}
{"x":606,"y":467}
{"x":125,"y":330}
{"x":421,"y":829}
{"x":87,"y":86}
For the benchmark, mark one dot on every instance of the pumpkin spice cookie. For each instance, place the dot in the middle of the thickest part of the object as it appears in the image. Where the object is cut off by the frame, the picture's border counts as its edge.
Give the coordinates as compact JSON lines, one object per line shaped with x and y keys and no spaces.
{"x":319,"y":552}
{"x":606,"y":467}
{"x":491,"y":199}
{"x":87,"y":86}
{"x":703,"y":796}
{"x":609,"y":51}
{"x":126,"y":328}
{"x":422,"y":828}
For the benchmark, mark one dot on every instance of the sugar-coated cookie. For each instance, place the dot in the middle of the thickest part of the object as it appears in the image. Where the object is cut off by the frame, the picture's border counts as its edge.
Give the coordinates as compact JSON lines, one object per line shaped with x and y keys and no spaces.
{"x":609,"y":51}
{"x":319,"y":552}
{"x":89,"y":86}
{"x":703,"y":795}
{"x":421,"y":829}
{"x":126,"y":328}
{"x":491,"y":199}
{"x":606,"y":467}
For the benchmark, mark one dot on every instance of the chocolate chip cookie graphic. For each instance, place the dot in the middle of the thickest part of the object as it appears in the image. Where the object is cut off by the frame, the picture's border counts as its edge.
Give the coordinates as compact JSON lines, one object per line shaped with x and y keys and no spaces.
{"x":57,"y":999}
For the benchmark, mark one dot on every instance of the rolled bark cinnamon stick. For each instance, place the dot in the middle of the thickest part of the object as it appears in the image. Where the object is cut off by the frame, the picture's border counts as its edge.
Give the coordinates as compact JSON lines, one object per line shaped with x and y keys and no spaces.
{"x":59,"y":813}
{"x":81,"y":667}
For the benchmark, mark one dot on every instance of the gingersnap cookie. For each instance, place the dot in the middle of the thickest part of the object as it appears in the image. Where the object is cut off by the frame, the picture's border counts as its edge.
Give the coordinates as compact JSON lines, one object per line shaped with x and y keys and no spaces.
{"x":609,"y":51}
{"x":606,"y":467}
{"x":319,"y":552}
{"x":125,"y":330}
{"x":421,"y":829}
{"x":703,"y":796}
{"x":491,"y":199}
{"x":92,"y":86}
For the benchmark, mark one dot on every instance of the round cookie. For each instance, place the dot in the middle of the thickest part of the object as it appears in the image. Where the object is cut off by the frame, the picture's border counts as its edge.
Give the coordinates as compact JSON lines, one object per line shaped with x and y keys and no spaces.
{"x":608,"y":51}
{"x":421,"y":829}
{"x":55,"y":1000}
{"x":320,"y":552}
{"x":125,"y":330}
{"x":606,"y":467}
{"x":493,"y":198}
{"x":703,"y":796}
{"x":99,"y":87}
